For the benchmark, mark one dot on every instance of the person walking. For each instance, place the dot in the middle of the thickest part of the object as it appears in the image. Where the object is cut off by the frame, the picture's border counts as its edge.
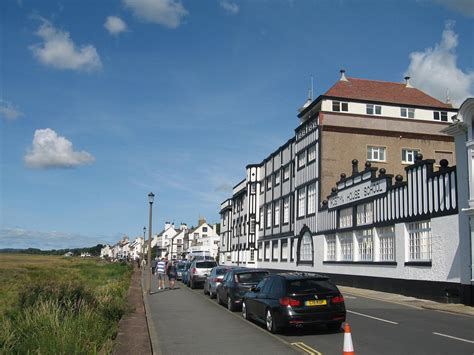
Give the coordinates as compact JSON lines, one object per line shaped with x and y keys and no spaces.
{"x":161,"y":271}
{"x":172,"y":274}
{"x":153,"y":265}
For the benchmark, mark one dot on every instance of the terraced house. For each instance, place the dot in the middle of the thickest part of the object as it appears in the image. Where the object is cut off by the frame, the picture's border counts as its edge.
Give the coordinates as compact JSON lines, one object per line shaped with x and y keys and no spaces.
{"x":306,"y":207}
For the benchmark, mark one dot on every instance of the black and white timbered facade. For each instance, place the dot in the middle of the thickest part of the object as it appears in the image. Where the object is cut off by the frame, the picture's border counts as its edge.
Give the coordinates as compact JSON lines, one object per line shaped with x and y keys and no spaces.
{"x":375,"y":230}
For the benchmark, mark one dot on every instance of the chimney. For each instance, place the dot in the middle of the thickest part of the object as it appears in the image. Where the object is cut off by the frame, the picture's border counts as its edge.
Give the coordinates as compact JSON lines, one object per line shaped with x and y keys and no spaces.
{"x":167,"y":225}
{"x":343,"y":75}
{"x":183,"y":226}
{"x":407,"y":82}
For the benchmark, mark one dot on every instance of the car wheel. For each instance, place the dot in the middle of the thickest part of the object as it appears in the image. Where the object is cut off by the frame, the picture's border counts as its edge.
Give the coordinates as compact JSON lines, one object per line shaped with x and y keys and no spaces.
{"x":244,"y":311}
{"x":270,"y":322}
{"x":192,"y":284}
{"x":230,"y":304}
{"x":334,"y":327}
{"x":219,"y":301}
{"x":212,"y":294}
{"x":204,"y":290}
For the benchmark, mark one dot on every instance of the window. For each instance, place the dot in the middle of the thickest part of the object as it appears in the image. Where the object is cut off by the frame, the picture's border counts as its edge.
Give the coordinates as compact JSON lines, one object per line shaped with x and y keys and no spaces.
{"x":346,"y":242}
{"x":275,"y":249}
{"x":277,"y":213}
{"x":440,"y":116}
{"x":269,"y":216}
{"x":386,"y":243}
{"x":277,"y":177}
{"x":269,"y":183}
{"x":262,"y":186}
{"x":286,"y":172}
{"x":306,"y":247}
{"x":365,"y":213}
{"x":252,"y":224}
{"x":365,"y":241}
{"x":301,"y":159}
{"x":375,"y":153}
{"x":286,"y":210}
{"x":261,"y":218}
{"x":253,"y":188}
{"x":419,"y":241}
{"x":284,"y":249}
{"x":312,"y":153}
{"x":311,"y":198}
{"x":204,"y":229}
{"x":345,"y":218}
{"x":267,"y":250}
{"x":407,"y":112}
{"x":340,"y":106}
{"x":301,"y":202}
{"x":252,"y":255}
{"x":373,"y":109}
{"x":260,"y":251}
{"x":408,"y":155}
{"x":330,"y":247}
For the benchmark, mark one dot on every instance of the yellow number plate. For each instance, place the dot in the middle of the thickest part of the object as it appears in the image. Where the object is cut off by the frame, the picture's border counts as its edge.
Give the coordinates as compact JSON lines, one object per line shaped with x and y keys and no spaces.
{"x":316,"y":303}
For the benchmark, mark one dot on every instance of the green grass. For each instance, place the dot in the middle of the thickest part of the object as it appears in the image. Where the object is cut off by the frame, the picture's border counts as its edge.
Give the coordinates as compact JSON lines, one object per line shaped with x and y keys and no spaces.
{"x":56,"y":305}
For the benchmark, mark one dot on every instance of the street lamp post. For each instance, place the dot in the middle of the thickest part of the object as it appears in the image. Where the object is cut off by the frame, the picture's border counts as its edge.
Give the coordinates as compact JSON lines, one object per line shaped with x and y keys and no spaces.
{"x":143,"y":245}
{"x":151,"y":197}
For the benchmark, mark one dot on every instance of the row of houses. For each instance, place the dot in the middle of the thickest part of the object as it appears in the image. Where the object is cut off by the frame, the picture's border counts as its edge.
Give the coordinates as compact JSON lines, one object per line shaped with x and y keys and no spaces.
{"x":365,"y":191}
{"x":177,"y":243}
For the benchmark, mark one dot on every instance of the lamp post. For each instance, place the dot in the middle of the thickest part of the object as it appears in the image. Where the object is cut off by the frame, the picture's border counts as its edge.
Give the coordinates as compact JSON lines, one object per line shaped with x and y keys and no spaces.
{"x":151,"y":197}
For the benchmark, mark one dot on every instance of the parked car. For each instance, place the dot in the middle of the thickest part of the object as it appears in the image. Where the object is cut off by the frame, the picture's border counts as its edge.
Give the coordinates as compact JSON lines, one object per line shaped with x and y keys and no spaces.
{"x":214,"y":279}
{"x":295,"y":299}
{"x":185,"y":273}
{"x":180,"y":267}
{"x":236,"y":283}
{"x":198,"y":272}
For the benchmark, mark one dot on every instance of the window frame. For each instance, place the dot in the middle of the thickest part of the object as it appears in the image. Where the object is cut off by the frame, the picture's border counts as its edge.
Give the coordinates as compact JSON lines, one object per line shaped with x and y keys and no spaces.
{"x":301,"y":210}
{"x":372,"y":149}
{"x":413,"y":151}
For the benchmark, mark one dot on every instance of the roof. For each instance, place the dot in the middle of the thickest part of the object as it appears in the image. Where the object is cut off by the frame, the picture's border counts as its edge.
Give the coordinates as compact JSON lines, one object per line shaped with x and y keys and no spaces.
{"x":383,"y":91}
{"x":302,"y":275}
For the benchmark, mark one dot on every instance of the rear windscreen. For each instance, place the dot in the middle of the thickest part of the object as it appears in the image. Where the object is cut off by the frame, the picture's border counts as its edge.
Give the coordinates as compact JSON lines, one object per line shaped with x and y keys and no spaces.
{"x":205,"y":264}
{"x":221,"y":271}
{"x":309,"y":285}
{"x":251,"y":277}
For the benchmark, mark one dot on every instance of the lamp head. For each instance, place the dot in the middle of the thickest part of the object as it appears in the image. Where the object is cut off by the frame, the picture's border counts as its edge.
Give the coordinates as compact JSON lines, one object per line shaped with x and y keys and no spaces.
{"x":151,"y":197}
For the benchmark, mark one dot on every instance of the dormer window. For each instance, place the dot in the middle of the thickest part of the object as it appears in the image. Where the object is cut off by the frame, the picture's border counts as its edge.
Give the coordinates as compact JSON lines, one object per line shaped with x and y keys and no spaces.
{"x":339,"y":106}
{"x":373,"y":109}
{"x":407,"y":112}
{"x":440,"y":116}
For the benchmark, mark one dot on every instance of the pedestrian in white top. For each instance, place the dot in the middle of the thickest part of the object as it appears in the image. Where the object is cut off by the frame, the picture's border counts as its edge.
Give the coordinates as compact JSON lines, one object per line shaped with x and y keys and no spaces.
{"x":161,"y":271}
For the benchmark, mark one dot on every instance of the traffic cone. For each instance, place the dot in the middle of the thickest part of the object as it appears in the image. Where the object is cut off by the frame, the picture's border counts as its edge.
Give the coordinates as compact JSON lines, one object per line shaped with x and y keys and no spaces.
{"x":348,"y":347}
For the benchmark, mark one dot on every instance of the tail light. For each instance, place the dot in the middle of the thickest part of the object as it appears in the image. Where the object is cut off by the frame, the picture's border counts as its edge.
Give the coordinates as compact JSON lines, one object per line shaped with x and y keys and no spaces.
{"x":193,"y":270}
{"x":287,"y":301}
{"x":216,"y":279}
{"x":337,"y":299}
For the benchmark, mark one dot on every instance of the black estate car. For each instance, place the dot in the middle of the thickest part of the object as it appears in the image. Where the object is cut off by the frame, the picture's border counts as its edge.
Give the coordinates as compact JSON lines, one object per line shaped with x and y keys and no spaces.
{"x":236,"y":283}
{"x":295,"y":299}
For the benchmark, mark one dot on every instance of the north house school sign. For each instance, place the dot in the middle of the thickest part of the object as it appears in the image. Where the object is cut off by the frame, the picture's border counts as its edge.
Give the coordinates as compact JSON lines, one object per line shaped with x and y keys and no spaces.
{"x":357,"y":193}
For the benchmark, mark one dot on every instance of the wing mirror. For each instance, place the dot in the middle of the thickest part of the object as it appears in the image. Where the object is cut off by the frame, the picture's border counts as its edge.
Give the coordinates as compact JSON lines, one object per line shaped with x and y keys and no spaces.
{"x":255,"y":289}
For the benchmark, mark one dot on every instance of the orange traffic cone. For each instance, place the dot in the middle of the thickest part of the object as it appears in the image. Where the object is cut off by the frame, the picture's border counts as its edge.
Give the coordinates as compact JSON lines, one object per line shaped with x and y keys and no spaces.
{"x":348,"y":347}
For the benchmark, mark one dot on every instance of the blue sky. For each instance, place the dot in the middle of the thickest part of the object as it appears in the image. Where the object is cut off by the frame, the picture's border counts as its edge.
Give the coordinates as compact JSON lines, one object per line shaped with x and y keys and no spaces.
{"x":102,"y":102}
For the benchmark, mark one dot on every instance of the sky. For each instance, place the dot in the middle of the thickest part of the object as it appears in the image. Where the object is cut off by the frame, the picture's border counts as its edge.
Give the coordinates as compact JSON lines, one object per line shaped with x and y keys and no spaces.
{"x":102,"y":102}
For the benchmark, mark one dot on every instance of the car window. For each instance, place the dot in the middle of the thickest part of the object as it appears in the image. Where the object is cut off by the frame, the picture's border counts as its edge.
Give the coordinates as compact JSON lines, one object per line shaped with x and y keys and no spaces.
{"x":221,"y":271}
{"x":268,"y":285}
{"x":261,"y":284}
{"x":251,"y":277}
{"x":311,"y":285}
{"x":277,"y":287}
{"x":205,"y":264}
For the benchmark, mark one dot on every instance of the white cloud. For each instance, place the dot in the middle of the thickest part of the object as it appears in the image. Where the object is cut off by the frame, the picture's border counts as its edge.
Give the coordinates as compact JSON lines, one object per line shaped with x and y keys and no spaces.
{"x":52,"y":151}
{"x":230,"y":7}
{"x":8,"y":111}
{"x":435,"y":70}
{"x":168,"y":13}
{"x":465,"y":7}
{"x":115,"y":25}
{"x":59,"y":51}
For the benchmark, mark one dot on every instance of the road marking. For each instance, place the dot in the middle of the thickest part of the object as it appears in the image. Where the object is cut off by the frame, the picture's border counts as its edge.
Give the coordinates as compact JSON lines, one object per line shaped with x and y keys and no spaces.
{"x":387,"y":301}
{"x":238,"y":316}
{"x":350,"y":297}
{"x":306,"y":348}
{"x":366,"y":315}
{"x":456,"y":338}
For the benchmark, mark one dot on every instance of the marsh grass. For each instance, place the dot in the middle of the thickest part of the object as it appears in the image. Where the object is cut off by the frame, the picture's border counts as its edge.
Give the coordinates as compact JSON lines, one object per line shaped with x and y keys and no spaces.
{"x":60,"y":306}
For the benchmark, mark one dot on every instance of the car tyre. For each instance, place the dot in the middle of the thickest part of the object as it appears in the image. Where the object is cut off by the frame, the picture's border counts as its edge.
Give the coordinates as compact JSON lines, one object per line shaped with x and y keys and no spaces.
{"x":192,"y":284}
{"x":334,"y":327}
{"x":270,"y":322}
{"x":244,"y":311}
{"x":212,"y":294}
{"x":204,"y":290}
{"x":230,"y":304}
{"x":219,"y":301}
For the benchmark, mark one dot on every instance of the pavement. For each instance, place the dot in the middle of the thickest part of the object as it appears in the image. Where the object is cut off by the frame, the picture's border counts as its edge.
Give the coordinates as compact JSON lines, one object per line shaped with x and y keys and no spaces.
{"x":184,"y":321}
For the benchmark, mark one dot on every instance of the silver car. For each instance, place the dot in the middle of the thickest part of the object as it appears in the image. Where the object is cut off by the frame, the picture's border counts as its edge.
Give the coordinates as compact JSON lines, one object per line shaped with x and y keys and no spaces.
{"x":214,"y":279}
{"x":199,"y":271}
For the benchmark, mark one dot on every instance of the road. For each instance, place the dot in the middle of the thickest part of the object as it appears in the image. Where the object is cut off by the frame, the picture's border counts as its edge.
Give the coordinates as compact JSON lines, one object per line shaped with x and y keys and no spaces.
{"x":186,"y":321}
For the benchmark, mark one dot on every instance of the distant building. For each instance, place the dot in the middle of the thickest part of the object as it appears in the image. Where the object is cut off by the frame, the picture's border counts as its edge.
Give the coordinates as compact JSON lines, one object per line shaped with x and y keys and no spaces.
{"x":203,"y":238}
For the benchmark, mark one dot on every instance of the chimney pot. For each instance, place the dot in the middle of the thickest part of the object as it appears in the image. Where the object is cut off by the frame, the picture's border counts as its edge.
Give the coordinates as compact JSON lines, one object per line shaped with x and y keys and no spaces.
{"x":407,"y":82}
{"x":343,"y":75}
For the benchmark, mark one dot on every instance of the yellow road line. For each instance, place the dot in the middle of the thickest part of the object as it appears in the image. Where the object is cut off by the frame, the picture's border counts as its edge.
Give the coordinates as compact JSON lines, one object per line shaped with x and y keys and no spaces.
{"x":306,"y":348}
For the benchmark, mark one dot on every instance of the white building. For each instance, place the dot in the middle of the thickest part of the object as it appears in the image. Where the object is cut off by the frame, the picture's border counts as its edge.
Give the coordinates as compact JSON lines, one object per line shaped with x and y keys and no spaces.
{"x":298,"y":210}
{"x":463,"y":132}
{"x":203,"y":238}
{"x":106,"y":251}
